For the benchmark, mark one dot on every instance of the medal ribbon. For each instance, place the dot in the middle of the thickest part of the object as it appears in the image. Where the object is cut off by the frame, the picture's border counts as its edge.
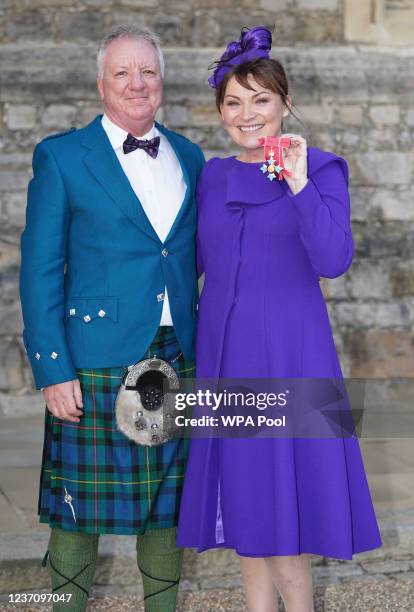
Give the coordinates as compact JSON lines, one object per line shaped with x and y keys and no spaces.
{"x":274,"y":166}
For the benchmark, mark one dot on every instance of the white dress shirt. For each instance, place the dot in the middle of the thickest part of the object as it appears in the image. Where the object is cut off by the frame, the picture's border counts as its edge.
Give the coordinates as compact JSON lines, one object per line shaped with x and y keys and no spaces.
{"x":158,"y":183}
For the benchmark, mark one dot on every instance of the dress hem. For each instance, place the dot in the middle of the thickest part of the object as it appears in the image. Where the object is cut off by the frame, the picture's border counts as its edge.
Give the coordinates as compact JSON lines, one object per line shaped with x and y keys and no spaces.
{"x":284,"y":554}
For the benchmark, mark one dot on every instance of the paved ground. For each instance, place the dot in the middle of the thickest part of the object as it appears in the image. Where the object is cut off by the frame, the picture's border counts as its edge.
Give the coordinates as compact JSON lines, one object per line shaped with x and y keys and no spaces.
{"x":380,"y":580}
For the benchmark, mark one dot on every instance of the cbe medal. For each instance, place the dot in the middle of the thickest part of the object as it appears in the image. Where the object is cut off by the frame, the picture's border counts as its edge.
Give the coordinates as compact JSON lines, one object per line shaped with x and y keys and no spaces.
{"x":274,"y":167}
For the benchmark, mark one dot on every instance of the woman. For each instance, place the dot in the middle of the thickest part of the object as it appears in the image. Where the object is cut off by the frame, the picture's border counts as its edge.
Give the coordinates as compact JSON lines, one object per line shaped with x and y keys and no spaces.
{"x":263,"y":246}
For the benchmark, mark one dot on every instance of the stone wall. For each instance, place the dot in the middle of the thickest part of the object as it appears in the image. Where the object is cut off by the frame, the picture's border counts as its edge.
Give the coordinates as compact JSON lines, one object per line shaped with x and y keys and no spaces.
{"x":355,"y":100}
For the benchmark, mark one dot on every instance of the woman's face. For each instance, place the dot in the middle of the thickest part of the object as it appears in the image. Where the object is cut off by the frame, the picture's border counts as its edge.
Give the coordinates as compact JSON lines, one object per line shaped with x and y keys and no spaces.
{"x":249,"y":114}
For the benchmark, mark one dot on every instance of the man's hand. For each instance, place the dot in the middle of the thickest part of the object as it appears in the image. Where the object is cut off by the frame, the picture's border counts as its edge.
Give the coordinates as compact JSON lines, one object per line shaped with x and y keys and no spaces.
{"x":64,"y":400}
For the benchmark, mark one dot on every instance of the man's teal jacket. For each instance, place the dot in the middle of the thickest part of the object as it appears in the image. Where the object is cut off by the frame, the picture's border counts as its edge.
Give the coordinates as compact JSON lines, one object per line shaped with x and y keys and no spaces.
{"x":93,"y":269}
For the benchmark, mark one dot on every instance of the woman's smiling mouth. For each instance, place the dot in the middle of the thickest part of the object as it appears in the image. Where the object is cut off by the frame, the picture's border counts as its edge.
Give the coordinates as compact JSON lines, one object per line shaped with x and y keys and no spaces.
{"x":250,"y":128}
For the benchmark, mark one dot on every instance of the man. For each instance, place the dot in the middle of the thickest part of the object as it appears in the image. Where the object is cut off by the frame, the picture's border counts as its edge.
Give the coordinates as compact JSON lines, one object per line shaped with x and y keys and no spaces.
{"x":107,"y":279}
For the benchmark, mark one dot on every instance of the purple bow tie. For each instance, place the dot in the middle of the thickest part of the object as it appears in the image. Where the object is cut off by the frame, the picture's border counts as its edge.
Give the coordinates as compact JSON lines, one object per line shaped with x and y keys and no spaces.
{"x":150,"y":146}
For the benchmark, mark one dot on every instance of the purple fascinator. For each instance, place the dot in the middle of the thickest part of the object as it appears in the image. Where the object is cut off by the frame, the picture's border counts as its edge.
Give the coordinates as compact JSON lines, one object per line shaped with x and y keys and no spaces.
{"x":252,"y":44}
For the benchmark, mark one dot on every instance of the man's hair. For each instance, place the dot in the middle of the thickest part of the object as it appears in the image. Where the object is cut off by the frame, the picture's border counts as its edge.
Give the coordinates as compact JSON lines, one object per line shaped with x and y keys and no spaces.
{"x":125,"y":31}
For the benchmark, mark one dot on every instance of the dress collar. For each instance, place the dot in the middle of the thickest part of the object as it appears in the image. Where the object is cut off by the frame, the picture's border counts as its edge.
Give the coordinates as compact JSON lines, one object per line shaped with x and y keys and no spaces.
{"x":246,"y":184}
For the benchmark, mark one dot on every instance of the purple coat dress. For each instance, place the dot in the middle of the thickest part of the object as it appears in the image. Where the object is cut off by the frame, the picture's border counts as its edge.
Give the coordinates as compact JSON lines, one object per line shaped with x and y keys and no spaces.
{"x":262,"y":314}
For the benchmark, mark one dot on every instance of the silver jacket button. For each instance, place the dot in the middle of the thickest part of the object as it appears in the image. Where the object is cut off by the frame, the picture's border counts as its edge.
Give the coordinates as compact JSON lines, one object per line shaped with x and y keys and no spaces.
{"x":160,"y":297}
{"x":101,"y":313}
{"x":86,"y":318}
{"x":37,"y":356}
{"x":72,"y":311}
{"x":164,"y":253}
{"x":54,"y":355}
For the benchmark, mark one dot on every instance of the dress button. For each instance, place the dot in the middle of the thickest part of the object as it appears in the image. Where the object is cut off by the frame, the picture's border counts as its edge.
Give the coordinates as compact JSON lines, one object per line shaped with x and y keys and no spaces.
{"x":54,"y":355}
{"x":160,"y":297}
{"x":72,"y":312}
{"x":164,"y":253}
{"x":37,"y":356}
{"x":86,"y":318}
{"x":101,"y":313}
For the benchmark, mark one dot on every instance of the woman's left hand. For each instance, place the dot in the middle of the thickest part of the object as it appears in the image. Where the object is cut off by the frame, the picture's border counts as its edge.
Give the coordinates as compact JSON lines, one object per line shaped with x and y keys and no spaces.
{"x":296,"y":162}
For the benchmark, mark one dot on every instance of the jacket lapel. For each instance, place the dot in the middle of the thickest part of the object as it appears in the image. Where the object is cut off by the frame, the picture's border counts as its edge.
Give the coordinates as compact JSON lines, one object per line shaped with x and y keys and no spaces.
{"x":103,"y":164}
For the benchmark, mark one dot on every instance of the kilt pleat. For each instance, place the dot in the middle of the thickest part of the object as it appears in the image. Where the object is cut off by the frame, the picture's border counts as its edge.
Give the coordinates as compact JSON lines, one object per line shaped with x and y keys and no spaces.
{"x":93,"y":478}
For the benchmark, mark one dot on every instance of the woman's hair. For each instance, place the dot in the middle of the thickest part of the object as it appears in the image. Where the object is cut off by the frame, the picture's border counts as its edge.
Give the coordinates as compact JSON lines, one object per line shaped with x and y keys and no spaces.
{"x":269,"y":73}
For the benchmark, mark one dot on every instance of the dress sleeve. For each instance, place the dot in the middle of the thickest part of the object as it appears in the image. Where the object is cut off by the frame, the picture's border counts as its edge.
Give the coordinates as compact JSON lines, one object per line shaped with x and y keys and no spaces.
{"x":323,"y":212}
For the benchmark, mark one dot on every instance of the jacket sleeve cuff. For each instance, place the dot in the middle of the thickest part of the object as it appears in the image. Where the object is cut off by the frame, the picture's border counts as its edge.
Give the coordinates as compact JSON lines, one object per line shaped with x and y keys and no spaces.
{"x":307,"y":200}
{"x":50,"y":367}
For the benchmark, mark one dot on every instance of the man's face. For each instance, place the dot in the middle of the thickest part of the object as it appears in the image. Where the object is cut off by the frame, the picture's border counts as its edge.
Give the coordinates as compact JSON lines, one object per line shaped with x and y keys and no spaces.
{"x":131,"y":86}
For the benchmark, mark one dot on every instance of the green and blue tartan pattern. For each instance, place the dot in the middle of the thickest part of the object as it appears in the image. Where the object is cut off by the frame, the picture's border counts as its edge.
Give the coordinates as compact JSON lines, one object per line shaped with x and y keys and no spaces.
{"x":93,"y":478}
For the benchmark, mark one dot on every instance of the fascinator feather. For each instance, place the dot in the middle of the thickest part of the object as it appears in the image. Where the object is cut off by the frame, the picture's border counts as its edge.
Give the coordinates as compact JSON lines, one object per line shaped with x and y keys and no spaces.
{"x":253,"y":44}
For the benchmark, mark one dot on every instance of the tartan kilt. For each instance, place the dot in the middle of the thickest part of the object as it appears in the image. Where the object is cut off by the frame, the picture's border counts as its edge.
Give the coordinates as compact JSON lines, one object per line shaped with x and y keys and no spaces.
{"x":114,"y":484}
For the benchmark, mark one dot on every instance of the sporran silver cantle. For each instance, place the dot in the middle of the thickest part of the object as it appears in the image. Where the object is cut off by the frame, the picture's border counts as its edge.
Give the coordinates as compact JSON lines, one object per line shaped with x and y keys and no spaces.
{"x":144,"y":407}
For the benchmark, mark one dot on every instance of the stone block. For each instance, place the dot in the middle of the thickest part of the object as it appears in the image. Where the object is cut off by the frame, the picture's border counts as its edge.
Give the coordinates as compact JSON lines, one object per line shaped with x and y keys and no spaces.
{"x":390,"y":566}
{"x":177,"y":115}
{"x":350,"y":140}
{"x":386,"y":114}
{"x":352,"y":114}
{"x":360,"y":199}
{"x":330,"y":5}
{"x":119,"y":16}
{"x":13,"y":180}
{"x":395,"y":205}
{"x":381,"y":353}
{"x":11,"y":366}
{"x":137,"y":4}
{"x":15,"y":208}
{"x":409,"y":116}
{"x":59,"y":116}
{"x":11,"y":319}
{"x":402,"y":278}
{"x":9,"y":276}
{"x":335,"y":288}
{"x":29,"y":25}
{"x":27,"y":4}
{"x":320,"y":115}
{"x":318,"y":138}
{"x":81,"y":26}
{"x":369,"y":279}
{"x":205,"y":115}
{"x":170,"y":29}
{"x":205,"y":32}
{"x":86,"y":113}
{"x":383,"y":168}
{"x":405,"y":140}
{"x":20,"y":116}
{"x":370,"y":314}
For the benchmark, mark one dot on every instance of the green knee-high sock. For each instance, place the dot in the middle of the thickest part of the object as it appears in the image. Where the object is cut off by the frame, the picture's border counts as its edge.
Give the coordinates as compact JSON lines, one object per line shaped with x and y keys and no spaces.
{"x":72,"y":562}
{"x":159,"y":561}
